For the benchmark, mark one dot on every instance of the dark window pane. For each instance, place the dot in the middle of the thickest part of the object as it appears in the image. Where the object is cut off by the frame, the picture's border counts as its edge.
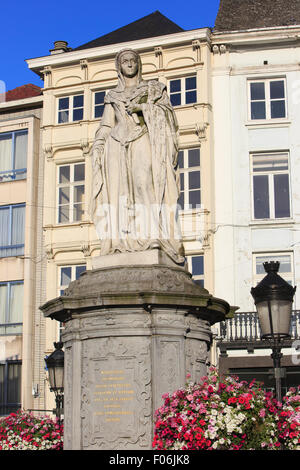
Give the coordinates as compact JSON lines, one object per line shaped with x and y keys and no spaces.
{"x":277,"y":89}
{"x":14,"y":384}
{"x":77,"y":114}
{"x":64,"y":195}
{"x":5,"y":221}
{"x":194,"y":199}
{"x":78,"y":193}
{"x":194,"y":179}
{"x":21,"y":139}
{"x":63,"y":214}
{"x":175,"y":99}
{"x":190,"y":83}
{"x":182,"y":181}
{"x":63,"y":103}
{"x":257,"y":91}
{"x":2,"y":384}
{"x":194,"y":157}
{"x":99,"y":111}
{"x":197,"y":265}
{"x":261,"y":197}
{"x":175,"y":85}
{"x":65,"y":276}
{"x":99,"y":97}
{"x":180,"y":159}
{"x":282,"y":196}
{"x":79,"y":270}
{"x":64,"y":174}
{"x":181,"y":200}
{"x":78,"y":101}
{"x":277,"y":109}
{"x":63,"y":116}
{"x":79,"y":172}
{"x":258,"y":110}
{"x":78,"y":212}
{"x":190,"y":97}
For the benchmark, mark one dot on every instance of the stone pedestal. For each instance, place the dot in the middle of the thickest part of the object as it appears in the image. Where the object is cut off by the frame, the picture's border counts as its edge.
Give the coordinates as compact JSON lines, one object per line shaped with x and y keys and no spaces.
{"x":132,"y":333}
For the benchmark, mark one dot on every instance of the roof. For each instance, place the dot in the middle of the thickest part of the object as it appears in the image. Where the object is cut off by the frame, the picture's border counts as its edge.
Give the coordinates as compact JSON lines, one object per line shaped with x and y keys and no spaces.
{"x":151,"y":25}
{"x":24,"y":91}
{"x":237,"y":15}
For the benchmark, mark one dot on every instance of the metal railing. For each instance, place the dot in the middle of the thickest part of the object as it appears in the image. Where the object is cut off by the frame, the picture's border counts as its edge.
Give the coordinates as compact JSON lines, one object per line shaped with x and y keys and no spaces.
{"x":244,"y":327}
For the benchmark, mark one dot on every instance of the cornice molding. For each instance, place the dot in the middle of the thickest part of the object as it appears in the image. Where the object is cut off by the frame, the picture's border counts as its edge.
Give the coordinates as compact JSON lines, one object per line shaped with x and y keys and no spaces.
{"x":39,"y":63}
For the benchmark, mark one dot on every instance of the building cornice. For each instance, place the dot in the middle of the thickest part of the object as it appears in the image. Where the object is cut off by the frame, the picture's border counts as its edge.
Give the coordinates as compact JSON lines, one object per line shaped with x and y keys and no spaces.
{"x":37,"y":64}
{"x":261,"y":36}
{"x":22,"y":103}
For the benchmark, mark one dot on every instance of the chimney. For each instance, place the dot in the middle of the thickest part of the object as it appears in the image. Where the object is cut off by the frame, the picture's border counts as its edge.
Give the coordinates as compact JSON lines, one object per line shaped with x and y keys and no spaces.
{"x":60,"y":47}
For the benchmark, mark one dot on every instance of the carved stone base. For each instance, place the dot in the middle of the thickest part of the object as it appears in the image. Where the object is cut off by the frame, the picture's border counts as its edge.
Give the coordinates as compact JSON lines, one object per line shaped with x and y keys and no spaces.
{"x":131,"y":335}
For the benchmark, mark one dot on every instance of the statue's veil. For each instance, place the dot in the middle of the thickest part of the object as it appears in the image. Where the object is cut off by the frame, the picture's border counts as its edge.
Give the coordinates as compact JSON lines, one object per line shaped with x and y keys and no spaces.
{"x":121,"y":81}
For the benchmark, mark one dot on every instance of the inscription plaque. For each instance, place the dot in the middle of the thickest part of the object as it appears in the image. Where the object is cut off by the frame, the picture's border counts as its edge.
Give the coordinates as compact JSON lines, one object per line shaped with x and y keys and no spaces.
{"x":114,"y":397}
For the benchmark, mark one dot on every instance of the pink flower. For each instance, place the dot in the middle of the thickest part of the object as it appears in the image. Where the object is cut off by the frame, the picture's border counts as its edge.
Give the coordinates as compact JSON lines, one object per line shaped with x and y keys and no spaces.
{"x":262,"y":413}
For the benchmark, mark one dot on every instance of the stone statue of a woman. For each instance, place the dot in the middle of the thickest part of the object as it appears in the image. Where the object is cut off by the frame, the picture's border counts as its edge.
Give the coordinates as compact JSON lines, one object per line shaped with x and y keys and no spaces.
{"x":135,"y":183}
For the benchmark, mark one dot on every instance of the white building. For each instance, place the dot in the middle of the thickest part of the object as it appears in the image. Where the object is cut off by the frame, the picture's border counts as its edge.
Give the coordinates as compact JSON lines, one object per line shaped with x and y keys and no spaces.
{"x":256,"y":98}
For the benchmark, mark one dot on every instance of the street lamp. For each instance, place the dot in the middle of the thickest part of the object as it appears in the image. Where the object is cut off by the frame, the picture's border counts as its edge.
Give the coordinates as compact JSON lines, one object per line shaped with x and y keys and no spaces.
{"x":273,"y":298}
{"x":55,"y":366}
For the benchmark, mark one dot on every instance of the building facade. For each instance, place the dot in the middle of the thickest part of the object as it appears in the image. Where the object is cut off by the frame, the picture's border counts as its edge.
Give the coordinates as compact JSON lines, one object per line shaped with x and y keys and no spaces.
{"x":21,"y":253}
{"x":256,"y":215}
{"x":75,"y":83}
{"x":235,"y":92}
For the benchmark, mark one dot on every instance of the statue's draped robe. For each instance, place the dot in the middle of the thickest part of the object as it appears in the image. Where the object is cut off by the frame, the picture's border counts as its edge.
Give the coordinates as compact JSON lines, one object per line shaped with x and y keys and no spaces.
{"x":135,"y":185}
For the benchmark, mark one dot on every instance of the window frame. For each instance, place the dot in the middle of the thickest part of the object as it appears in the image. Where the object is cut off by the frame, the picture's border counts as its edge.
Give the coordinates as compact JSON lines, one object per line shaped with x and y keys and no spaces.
{"x":105,"y":91}
{"x":196,"y":277}
{"x":73,"y":267}
{"x":13,"y":172}
{"x":70,"y":108}
{"x":271,"y":186}
{"x":185,"y":171}
{"x":72,"y":184}
{"x":7,"y":407}
{"x":267,"y":99}
{"x":183,"y":90}
{"x":7,"y":324}
{"x":11,"y":246}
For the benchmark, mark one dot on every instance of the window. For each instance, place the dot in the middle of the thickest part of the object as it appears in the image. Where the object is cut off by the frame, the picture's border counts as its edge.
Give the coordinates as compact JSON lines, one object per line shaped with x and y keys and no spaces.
{"x":267,"y":99}
{"x":71,"y":192}
{"x":13,"y":155}
{"x":285,"y":268}
{"x":11,"y":307}
{"x":270,"y":180}
{"x":190,"y":181}
{"x":99,"y":103}
{"x":196,"y":267}
{"x":10,"y":387}
{"x":183,"y":91}
{"x":12,"y":230}
{"x":68,"y":274}
{"x":70,"y":108}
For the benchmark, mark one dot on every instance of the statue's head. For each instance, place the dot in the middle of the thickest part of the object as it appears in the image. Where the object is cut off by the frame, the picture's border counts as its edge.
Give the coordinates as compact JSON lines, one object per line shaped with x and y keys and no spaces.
{"x":128,"y":64}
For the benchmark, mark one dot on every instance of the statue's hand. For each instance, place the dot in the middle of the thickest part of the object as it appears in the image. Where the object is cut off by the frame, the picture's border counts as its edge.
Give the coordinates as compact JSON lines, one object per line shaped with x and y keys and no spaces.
{"x":98,"y":152}
{"x":133,"y":108}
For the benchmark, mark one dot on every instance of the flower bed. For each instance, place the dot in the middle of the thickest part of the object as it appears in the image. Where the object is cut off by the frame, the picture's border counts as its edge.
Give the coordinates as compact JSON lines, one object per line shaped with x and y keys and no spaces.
{"x":23,"y":431}
{"x":227,"y":414}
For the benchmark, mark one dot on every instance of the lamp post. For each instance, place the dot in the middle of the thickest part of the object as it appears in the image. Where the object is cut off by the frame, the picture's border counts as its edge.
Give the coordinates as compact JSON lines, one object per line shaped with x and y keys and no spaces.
{"x":55,"y":366}
{"x":273,"y":298}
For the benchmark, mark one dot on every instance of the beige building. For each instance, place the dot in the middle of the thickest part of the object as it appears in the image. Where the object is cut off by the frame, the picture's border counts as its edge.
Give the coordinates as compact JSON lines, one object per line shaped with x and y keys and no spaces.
{"x":21,"y":255}
{"x":75,"y":83}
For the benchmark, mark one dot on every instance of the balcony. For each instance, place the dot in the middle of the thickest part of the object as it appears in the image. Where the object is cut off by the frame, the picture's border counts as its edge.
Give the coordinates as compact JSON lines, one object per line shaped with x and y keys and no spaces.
{"x":243,"y":332}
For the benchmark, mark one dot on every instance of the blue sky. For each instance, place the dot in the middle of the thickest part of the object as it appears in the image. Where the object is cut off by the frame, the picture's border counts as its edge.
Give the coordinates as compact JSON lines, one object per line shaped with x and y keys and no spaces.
{"x":28,"y":29}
